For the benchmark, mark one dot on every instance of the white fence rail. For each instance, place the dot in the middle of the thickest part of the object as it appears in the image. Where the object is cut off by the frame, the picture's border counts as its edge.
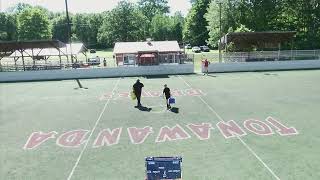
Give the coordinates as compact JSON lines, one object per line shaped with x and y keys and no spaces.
{"x":171,"y":69}
{"x":257,"y":56}
{"x":263,"y":66}
{"x":233,"y":62}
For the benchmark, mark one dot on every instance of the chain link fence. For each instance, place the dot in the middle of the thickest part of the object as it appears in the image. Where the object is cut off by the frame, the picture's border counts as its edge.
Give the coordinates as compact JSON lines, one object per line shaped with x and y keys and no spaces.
{"x":256,"y":56}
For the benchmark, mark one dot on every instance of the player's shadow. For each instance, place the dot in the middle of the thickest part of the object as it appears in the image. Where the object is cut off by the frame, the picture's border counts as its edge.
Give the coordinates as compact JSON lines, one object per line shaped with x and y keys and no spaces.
{"x":271,"y":74}
{"x":157,"y":77}
{"x":209,"y":75}
{"x":212,"y":75}
{"x":175,"y":110}
{"x":144,"y":109}
{"x":77,"y":88}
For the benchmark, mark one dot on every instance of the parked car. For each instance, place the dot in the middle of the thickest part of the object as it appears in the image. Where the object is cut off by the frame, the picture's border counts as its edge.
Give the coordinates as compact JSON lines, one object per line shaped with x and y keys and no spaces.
{"x":76,"y":65}
{"x":92,"y":51}
{"x":204,"y":48}
{"x":188,"y":46}
{"x":94,"y":61}
{"x":196,"y":49}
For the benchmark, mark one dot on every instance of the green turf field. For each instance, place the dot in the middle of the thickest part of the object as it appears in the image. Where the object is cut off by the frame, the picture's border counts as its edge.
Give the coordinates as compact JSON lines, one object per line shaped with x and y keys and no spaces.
{"x":68,"y":124}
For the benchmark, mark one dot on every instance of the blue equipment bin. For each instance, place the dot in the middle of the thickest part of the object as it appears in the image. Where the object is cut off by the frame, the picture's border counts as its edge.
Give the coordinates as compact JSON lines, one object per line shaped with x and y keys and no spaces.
{"x":172,"y":100}
{"x":163,"y":168}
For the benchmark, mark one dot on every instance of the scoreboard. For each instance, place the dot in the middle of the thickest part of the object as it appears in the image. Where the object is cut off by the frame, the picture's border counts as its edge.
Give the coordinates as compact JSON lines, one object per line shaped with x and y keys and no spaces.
{"x":163,"y":168}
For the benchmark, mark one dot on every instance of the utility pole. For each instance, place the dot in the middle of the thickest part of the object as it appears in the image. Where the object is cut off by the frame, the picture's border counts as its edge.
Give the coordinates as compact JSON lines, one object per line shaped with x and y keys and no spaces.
{"x":220,"y":56}
{"x":69,"y":30}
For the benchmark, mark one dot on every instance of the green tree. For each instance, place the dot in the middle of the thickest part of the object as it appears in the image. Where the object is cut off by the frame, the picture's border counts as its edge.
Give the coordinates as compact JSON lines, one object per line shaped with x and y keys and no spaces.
{"x":229,"y":20}
{"x":160,"y":29}
{"x":8,"y":27}
{"x":302,"y":16}
{"x":18,"y":8}
{"x":60,"y":29}
{"x":81,"y":27}
{"x":33,"y":25}
{"x":123,"y":23}
{"x":269,"y":15}
{"x":151,"y":8}
{"x":12,"y":27}
{"x":258,"y":14}
{"x":3,"y":28}
{"x":95,"y":22}
{"x":195,"y":29}
{"x":243,"y":28}
{"x":177,"y":26}
{"x":231,"y":46}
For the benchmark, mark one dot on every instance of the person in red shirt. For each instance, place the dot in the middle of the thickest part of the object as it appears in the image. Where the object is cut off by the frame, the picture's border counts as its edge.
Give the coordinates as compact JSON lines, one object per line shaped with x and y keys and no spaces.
{"x":206,"y":65}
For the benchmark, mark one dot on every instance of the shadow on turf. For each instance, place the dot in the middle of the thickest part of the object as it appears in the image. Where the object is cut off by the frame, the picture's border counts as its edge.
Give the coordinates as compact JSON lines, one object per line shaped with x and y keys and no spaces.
{"x":212,"y":75}
{"x":271,"y":74}
{"x":80,"y":88}
{"x":80,"y":85}
{"x":175,"y":110}
{"x":157,"y":77}
{"x":209,"y":75}
{"x":144,"y":109}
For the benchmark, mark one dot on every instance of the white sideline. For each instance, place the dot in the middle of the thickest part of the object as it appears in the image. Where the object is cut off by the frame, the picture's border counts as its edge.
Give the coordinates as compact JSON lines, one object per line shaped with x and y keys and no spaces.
{"x":92,"y":131}
{"x":239,"y":138}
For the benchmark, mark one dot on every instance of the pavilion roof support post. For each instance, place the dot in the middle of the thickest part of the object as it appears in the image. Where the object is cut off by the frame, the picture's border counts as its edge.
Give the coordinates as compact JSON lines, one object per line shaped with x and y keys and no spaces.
{"x":60,"y":61}
{"x":22,"y":56}
{"x":67,"y":55}
{"x":226,"y":48}
{"x":292,"y":49}
{"x":279,"y":50}
{"x":265,"y":57}
{"x":0,"y":64}
{"x":34,"y":62}
{"x":46,"y":59}
{"x":75,"y":57}
{"x":85,"y":54}
{"x":15,"y":62}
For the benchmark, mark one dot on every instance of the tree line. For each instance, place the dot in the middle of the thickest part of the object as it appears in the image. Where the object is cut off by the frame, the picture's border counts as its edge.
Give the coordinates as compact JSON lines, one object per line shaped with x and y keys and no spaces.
{"x":302,"y":16}
{"x":126,"y":22}
{"x":150,"y":19}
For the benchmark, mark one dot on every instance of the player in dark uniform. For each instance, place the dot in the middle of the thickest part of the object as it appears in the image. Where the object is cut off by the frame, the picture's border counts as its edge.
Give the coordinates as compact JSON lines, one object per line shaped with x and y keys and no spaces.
{"x":137,"y":87}
{"x":167,"y":94}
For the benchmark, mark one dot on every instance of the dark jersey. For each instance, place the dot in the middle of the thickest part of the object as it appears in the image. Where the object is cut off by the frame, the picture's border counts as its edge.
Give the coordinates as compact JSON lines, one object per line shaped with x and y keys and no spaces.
{"x":138,"y":87}
{"x":166,"y":92}
{"x":206,"y":63}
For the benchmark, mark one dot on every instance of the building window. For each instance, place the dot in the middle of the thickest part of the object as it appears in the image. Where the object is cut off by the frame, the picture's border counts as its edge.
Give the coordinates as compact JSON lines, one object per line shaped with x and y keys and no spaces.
{"x":129,"y":59}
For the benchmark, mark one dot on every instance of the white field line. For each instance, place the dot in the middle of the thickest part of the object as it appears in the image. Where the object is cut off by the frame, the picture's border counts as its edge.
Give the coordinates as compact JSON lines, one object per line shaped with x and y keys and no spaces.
{"x":92,"y":131}
{"x":239,"y":138}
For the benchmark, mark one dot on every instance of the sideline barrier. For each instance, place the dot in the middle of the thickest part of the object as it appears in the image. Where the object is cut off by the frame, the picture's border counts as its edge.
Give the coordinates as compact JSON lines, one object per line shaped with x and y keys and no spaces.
{"x":263,"y":66}
{"x":170,"y":69}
